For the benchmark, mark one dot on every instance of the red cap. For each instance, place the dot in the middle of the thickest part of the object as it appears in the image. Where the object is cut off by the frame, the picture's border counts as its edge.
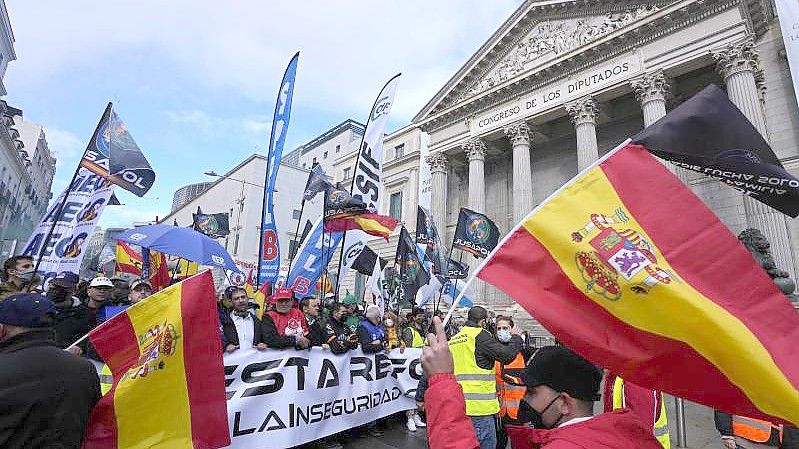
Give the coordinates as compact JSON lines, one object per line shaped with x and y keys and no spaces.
{"x":282,"y":293}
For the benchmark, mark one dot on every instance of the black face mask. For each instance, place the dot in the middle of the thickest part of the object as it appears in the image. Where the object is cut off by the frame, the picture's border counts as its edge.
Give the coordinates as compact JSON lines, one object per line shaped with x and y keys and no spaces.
{"x":57,"y":294}
{"x":528,"y":415}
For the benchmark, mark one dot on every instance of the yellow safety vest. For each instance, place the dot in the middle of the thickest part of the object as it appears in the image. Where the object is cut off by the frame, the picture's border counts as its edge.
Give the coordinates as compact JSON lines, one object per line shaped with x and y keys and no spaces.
{"x":479,"y":385}
{"x":661,"y":427}
{"x":106,"y":379}
{"x":418,"y":341}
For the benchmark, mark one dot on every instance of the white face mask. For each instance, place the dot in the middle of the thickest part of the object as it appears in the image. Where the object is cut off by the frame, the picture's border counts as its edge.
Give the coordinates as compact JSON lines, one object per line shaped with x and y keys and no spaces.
{"x":503,"y":335}
{"x":389,"y":323}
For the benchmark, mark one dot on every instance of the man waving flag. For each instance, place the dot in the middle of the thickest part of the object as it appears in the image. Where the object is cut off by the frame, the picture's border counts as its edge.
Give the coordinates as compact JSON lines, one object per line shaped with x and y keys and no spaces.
{"x":626,"y":266}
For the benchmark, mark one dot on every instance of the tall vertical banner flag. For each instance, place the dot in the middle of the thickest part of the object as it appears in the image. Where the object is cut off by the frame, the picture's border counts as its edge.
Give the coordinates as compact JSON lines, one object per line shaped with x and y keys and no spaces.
{"x":269,"y":248}
{"x":625,"y":265}
{"x":788,"y":12}
{"x":312,"y":258}
{"x":367,"y":183}
{"x":168,"y":376}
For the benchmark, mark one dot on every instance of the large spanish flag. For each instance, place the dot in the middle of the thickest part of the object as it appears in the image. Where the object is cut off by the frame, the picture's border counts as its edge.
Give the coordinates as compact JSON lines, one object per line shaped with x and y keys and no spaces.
{"x":626,"y":266}
{"x":169,"y":387}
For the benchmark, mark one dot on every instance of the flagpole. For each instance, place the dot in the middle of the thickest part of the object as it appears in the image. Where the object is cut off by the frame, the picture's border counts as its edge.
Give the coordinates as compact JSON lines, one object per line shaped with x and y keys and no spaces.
{"x":352,"y":184}
{"x":63,"y":203}
{"x":297,"y":235}
{"x":437,"y":302}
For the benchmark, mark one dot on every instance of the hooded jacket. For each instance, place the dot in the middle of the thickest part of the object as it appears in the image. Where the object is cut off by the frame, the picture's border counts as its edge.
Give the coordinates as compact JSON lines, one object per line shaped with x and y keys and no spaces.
{"x":282,"y":329}
{"x":450,"y":428}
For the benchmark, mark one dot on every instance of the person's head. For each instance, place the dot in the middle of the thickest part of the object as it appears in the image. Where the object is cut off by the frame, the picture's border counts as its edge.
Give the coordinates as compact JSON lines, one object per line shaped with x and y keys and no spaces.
{"x":310,"y":306}
{"x":139,"y":290}
{"x":339,"y":311}
{"x":478,"y":315}
{"x":121,"y":289}
{"x":22,"y":312}
{"x":283,"y":299}
{"x":389,"y":320}
{"x":62,"y":287}
{"x":561,"y":385}
{"x":99,"y":290}
{"x":239,"y":299}
{"x":373,"y":314}
{"x":18,"y":270}
{"x":417,"y":316}
{"x":504,"y":325}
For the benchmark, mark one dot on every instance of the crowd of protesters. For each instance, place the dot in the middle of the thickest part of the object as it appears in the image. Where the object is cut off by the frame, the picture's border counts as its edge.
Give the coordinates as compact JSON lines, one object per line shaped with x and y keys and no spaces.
{"x":484,"y":385}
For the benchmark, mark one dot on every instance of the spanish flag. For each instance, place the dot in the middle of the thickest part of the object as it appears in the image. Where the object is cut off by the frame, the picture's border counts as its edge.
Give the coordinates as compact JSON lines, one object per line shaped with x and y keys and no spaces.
{"x":372,"y":224}
{"x":166,"y":359}
{"x":128,"y":260}
{"x":626,"y":266}
{"x":258,"y":296}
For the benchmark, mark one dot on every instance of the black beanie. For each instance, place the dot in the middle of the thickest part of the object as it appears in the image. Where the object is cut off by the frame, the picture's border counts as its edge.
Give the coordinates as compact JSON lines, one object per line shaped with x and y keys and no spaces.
{"x":564,"y":371}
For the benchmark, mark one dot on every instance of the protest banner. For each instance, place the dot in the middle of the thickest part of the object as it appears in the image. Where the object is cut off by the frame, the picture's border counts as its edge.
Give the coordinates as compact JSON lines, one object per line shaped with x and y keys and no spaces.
{"x":281,"y":399}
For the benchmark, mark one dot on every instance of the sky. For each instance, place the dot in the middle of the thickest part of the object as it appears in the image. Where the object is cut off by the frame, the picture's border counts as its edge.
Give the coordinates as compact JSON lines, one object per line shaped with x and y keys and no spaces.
{"x":196,"y":81}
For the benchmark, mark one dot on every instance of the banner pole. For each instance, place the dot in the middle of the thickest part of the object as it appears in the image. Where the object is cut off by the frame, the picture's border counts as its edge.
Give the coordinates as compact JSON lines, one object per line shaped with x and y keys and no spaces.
{"x":296,"y":235}
{"x":70,"y":186}
{"x":437,"y":302}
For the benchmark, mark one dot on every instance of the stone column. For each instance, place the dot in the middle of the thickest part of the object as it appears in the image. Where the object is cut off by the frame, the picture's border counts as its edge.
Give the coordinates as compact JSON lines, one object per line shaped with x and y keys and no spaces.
{"x":583,"y":114}
{"x":475,"y":150}
{"x":519,"y":135}
{"x":438,"y":201}
{"x":739,"y":65}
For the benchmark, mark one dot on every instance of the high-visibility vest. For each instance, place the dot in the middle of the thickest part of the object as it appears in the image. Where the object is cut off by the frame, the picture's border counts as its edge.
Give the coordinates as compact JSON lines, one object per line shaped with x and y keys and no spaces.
{"x":418,"y":341}
{"x":479,"y":385}
{"x":106,"y":379}
{"x":510,"y":396}
{"x":754,"y":430}
{"x":661,"y":424}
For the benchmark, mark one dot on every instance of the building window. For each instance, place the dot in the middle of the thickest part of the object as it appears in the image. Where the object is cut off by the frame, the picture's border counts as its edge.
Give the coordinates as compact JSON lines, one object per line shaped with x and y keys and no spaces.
{"x":395,"y":205}
{"x":325,"y":155}
{"x":399,"y":151}
{"x":296,"y":214}
{"x":338,"y":147}
{"x":347,"y":172}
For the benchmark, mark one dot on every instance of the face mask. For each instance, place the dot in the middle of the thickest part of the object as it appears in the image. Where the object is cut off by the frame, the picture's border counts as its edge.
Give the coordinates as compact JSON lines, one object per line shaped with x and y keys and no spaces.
{"x":57,"y":294}
{"x":529,"y":416}
{"x":26,"y":275}
{"x":389,"y":323}
{"x":541,"y":414}
{"x":503,"y":335}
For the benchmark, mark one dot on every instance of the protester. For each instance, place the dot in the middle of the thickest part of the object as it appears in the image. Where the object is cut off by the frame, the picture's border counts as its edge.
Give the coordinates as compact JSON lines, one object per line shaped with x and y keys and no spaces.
{"x":647,"y":404}
{"x":139,"y":290}
{"x":120,"y":292}
{"x":412,"y":337}
{"x":354,"y":318}
{"x":747,"y":433}
{"x":392,"y":336}
{"x":71,"y":321}
{"x":17,"y":273}
{"x":560,"y":386}
{"x":99,"y":292}
{"x":372,"y":338}
{"x":285,"y":326}
{"x":46,"y":393}
{"x":476,"y":350}
{"x":510,"y":392}
{"x":310,"y":308}
{"x":338,"y":335}
{"x":241,"y":328}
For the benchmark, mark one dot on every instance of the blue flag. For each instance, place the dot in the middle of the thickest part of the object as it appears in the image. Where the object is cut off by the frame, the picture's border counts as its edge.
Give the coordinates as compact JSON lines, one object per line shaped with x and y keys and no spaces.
{"x":312,"y":258}
{"x":269,"y":250}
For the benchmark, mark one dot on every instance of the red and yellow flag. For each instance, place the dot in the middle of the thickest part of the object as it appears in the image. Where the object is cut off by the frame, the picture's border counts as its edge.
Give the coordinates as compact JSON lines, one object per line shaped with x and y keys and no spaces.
{"x":372,"y":224}
{"x":626,"y":266}
{"x":159,"y":271}
{"x":128,"y":260}
{"x":169,"y":387}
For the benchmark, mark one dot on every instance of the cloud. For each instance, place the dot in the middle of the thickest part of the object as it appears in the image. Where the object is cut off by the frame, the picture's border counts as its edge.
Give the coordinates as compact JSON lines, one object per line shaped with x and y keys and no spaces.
{"x":66,"y":147}
{"x":205,"y":123}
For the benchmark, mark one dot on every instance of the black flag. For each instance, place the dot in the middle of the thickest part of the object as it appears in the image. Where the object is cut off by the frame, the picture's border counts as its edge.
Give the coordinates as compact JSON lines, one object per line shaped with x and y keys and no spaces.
{"x":212,"y":225}
{"x":427,"y":234}
{"x":708,"y":134}
{"x":412,"y":272}
{"x":317,"y":183}
{"x":475,"y":233}
{"x":365,"y":262}
{"x":457,"y":270}
{"x":339,"y":203}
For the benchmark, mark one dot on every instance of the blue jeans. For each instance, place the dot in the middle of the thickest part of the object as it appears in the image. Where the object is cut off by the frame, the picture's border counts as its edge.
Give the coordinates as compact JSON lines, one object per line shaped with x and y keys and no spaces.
{"x":485,"y":429}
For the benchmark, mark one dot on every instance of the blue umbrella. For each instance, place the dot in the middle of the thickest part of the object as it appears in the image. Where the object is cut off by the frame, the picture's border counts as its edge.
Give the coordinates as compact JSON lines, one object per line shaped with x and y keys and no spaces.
{"x":182,"y":242}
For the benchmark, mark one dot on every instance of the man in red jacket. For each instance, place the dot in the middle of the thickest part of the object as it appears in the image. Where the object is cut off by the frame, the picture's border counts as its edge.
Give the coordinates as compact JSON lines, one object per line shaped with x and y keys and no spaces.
{"x":561,"y":387}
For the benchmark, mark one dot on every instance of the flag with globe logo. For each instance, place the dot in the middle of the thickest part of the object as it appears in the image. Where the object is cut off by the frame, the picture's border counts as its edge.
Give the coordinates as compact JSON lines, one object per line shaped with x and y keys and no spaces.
{"x":212,"y":225}
{"x":475,"y":233}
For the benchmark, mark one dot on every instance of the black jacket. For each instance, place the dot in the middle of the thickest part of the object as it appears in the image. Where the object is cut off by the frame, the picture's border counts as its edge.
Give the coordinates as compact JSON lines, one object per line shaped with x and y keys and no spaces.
{"x":366,"y":341}
{"x":488,"y":349}
{"x":231,"y":336}
{"x":46,"y":393}
{"x":340,"y":337}
{"x":71,"y":323}
{"x":315,"y":334}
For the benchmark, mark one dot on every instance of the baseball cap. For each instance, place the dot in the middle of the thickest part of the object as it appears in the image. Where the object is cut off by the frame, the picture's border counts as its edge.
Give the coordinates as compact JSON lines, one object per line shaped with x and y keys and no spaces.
{"x":283,"y":293}
{"x":66,"y":279}
{"x":561,"y":369}
{"x":28,"y":310}
{"x":101,"y":281}
{"x":139,"y":282}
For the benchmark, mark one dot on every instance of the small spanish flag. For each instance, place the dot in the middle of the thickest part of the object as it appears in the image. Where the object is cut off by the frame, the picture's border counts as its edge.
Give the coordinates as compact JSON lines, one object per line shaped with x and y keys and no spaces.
{"x":166,"y":359}
{"x":626,"y":266}
{"x":128,"y":259}
{"x":372,"y":224}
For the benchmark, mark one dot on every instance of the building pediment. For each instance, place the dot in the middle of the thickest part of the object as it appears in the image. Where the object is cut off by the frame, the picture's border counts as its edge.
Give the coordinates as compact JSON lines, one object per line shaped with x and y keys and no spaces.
{"x":544,"y":38}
